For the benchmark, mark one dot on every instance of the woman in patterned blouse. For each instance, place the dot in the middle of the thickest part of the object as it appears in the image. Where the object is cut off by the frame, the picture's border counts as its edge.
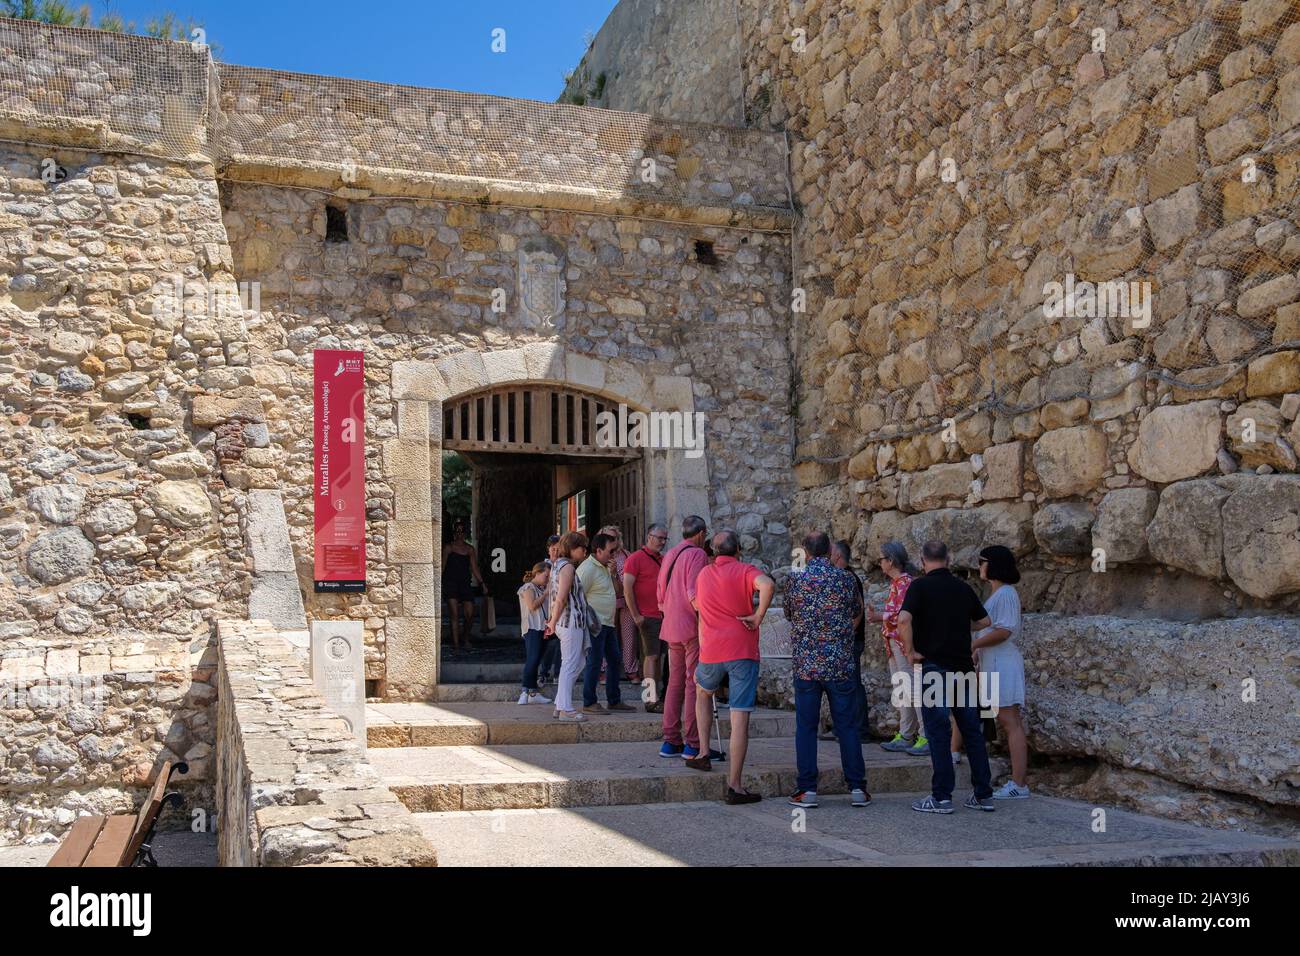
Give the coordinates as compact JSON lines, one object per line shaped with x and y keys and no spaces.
{"x":911,"y":732}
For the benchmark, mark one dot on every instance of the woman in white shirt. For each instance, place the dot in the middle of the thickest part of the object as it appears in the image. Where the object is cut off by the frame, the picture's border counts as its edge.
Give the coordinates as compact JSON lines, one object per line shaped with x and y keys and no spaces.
{"x":997,"y":656}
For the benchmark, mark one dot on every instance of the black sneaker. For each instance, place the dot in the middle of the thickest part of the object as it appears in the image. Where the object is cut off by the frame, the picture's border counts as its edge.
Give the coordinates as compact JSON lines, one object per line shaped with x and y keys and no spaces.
{"x":735,"y":798}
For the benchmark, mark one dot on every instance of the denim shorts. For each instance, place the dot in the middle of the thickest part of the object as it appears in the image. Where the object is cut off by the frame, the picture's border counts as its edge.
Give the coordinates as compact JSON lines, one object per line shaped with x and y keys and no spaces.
{"x":744,"y":680}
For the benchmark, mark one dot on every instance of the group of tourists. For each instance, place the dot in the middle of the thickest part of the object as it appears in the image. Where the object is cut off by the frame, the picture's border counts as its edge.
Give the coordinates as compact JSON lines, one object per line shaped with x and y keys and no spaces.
{"x":694,"y":614}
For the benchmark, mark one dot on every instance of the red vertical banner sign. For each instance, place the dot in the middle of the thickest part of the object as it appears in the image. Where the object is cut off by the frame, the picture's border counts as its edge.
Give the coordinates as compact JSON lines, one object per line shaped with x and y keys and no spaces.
{"x":339,"y":491}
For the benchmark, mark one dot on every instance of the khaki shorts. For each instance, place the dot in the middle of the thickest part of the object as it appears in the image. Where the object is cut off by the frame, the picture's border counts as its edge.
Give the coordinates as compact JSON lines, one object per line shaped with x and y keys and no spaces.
{"x":649,"y":630}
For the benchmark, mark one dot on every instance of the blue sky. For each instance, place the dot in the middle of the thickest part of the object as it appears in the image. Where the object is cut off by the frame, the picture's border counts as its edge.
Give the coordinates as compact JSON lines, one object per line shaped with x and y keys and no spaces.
{"x":431,"y":43}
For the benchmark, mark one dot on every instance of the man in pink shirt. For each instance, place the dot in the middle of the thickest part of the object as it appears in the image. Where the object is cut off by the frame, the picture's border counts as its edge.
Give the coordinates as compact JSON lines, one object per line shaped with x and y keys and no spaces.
{"x":676,"y":593}
{"x":729,"y":624}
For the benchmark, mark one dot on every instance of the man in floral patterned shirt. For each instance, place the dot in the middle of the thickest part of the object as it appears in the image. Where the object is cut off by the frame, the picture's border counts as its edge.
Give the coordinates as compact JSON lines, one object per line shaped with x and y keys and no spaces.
{"x":821,"y":602}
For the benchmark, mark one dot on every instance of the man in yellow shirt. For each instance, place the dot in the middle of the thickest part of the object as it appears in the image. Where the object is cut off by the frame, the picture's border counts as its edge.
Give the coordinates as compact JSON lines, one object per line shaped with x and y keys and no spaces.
{"x":597,"y":577}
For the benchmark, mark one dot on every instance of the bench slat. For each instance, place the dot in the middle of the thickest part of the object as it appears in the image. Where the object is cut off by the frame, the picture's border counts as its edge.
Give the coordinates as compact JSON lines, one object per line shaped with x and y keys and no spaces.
{"x":149,"y":811}
{"x":113,"y":842}
{"x":78,"y":843}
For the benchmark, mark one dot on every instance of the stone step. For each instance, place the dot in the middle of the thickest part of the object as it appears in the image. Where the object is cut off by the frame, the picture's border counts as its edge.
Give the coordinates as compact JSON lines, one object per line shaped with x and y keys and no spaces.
{"x":1040,"y":831}
{"x":509,"y":691}
{"x":598,"y":774}
{"x":482,"y":672}
{"x":424,"y":724}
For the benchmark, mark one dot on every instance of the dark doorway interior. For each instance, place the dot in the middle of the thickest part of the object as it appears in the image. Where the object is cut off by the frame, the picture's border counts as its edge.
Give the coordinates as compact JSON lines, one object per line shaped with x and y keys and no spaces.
{"x":517,"y":500}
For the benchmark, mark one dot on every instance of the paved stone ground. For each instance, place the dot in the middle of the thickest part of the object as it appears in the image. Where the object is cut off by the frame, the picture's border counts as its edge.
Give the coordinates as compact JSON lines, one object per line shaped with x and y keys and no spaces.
{"x":172,"y":848}
{"x":1041,"y":831}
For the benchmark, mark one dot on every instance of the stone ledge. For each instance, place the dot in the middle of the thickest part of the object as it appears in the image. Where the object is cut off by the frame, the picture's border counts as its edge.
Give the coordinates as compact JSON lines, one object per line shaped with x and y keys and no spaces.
{"x":293,"y":788}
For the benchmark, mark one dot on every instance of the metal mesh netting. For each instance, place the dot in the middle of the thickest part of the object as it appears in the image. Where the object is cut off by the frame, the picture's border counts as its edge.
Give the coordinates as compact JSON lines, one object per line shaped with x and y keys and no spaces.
{"x":171,"y":99}
{"x":151,"y":96}
{"x":965,"y":180}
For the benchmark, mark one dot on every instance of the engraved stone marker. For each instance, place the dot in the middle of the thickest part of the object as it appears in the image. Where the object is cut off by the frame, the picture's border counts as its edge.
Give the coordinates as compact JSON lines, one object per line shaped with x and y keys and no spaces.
{"x":774,"y":634}
{"x":338,"y":670}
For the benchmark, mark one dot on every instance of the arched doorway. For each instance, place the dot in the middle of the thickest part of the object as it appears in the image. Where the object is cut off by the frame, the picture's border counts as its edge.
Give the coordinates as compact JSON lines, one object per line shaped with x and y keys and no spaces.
{"x":673,"y":483}
{"x":538,"y":462}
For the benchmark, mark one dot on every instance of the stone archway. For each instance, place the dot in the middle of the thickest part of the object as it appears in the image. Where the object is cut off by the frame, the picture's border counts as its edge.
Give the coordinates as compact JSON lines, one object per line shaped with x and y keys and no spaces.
{"x":675,"y":485}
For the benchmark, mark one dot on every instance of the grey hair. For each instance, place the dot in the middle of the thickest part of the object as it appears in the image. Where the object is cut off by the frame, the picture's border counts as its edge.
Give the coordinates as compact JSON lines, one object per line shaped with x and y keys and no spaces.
{"x":661,"y":528}
{"x":897,"y":555}
{"x":693,"y":525}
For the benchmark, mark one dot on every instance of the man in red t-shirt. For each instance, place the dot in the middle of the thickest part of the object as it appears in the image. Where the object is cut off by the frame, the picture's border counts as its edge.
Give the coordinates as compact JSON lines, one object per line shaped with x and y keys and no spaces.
{"x":729,"y":625}
{"x":640,"y":587}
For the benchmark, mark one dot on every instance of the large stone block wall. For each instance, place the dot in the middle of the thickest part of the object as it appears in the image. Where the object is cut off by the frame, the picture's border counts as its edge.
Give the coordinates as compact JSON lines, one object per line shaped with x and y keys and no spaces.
{"x":949,"y":161}
{"x":415,"y":282}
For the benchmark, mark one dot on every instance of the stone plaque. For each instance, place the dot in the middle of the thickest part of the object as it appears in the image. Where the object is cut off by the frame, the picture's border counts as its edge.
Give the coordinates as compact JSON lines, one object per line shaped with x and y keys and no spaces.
{"x":541,"y":281}
{"x":338,"y":670}
{"x":774,"y":634}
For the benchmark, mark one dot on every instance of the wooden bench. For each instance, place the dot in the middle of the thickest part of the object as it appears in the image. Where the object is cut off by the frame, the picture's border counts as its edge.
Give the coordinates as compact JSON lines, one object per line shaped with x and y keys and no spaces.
{"x":123,"y":840}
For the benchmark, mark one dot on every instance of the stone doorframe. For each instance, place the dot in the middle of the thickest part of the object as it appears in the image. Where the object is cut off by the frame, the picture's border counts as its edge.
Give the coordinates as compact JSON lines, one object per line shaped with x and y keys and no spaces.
{"x":675,"y":486}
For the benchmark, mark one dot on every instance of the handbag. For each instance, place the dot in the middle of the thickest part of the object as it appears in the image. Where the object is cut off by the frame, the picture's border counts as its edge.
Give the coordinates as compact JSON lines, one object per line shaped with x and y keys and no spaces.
{"x":593,"y":624}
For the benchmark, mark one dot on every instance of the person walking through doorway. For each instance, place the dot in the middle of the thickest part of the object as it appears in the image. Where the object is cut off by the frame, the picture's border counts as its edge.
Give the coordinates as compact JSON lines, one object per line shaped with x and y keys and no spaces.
{"x":459,"y":574}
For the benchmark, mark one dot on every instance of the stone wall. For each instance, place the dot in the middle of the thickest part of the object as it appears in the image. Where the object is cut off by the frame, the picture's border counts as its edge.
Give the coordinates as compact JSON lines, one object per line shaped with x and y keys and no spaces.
{"x":293,"y":787}
{"x":415,"y":282}
{"x":119,"y":543}
{"x":678,"y":60}
{"x":949,"y":161}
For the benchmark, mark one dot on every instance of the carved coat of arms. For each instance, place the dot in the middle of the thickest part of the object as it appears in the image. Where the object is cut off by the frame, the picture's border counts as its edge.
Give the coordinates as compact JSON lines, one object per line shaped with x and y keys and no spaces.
{"x":541,"y":280}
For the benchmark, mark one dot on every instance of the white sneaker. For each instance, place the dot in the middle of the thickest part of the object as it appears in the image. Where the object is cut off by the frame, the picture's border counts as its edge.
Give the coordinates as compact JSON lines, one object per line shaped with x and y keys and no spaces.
{"x":956,"y":759}
{"x":535,"y":697}
{"x":1011,"y":791}
{"x":523,"y":697}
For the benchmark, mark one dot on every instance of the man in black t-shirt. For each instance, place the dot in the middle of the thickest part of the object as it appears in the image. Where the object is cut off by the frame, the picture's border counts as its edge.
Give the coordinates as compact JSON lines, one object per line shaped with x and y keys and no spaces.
{"x":935,"y":624}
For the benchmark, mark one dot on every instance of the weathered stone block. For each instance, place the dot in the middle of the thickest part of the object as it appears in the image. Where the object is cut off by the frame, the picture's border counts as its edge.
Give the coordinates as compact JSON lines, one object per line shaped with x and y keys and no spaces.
{"x":1121,"y":526}
{"x":210,"y":410}
{"x":1064,"y":527}
{"x":1070,"y":461}
{"x":1187,"y":530}
{"x":1261,"y":535}
{"x":1004,"y":466}
{"x":1177,"y":441}
{"x":1255,"y":434}
{"x":410,"y":542}
{"x":938,"y":485}
{"x":1273,"y":374}
{"x":417,"y":381}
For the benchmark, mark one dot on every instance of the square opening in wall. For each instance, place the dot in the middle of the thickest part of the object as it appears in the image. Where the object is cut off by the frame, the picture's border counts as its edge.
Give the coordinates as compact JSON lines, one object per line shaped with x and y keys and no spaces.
{"x":704,"y":252}
{"x":336,"y":224}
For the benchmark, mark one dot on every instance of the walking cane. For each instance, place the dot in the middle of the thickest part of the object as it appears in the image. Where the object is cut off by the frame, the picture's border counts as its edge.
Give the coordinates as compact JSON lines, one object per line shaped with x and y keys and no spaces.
{"x":717,"y":724}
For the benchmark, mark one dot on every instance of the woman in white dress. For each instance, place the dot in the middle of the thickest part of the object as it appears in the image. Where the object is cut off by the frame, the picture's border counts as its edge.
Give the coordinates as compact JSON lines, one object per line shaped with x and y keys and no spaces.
{"x":995,"y":652}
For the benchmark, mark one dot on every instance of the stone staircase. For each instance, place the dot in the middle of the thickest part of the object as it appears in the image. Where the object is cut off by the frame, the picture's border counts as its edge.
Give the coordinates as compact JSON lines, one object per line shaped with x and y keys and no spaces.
{"x":490,"y":782}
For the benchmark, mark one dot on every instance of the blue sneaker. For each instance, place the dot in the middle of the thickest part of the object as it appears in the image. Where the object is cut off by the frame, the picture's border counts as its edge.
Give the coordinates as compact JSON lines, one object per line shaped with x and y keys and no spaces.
{"x":690,"y":752}
{"x":670,"y":750}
